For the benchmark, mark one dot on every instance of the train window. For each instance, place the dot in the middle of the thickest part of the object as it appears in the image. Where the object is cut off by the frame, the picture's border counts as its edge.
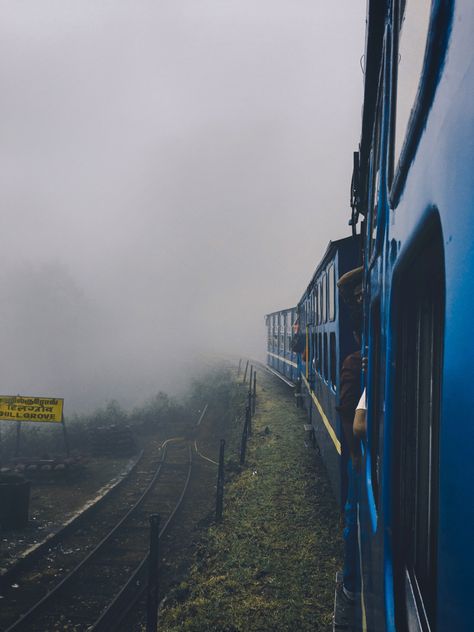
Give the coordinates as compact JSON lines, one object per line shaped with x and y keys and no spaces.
{"x":420,"y":315}
{"x":374,"y":178}
{"x":325,"y":357}
{"x":333,"y":359}
{"x":316,"y":305}
{"x":320,"y":355}
{"x":412,"y":19}
{"x":320,"y":304}
{"x":331,"y":292}
{"x":323,"y":298}
{"x":283,"y":334}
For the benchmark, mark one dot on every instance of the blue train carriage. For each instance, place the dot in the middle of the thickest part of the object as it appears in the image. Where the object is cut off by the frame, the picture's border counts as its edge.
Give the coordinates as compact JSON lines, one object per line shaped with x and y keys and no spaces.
{"x":413,"y":186}
{"x":280,"y":356}
{"x":325,"y":323}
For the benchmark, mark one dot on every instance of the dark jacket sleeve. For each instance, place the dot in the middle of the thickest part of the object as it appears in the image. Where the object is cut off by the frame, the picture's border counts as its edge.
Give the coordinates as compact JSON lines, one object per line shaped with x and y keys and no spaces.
{"x":350,"y":387}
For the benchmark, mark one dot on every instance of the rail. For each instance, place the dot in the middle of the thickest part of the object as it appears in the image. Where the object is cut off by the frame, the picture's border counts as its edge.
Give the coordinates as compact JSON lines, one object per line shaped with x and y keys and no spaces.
{"x":136,"y":585}
{"x":71,"y":524}
{"x":38,"y":607}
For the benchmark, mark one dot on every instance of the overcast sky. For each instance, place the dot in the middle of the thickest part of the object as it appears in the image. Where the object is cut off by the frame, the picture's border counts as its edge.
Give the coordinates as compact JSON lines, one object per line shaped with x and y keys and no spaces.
{"x":169,"y":172}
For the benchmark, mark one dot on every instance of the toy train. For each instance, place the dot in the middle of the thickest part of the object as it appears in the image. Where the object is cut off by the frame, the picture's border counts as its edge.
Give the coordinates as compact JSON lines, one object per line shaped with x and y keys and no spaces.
{"x":412,"y":194}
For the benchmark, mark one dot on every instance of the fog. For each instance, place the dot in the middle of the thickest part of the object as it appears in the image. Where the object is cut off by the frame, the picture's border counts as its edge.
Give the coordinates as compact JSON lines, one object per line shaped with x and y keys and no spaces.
{"x":169,"y":172}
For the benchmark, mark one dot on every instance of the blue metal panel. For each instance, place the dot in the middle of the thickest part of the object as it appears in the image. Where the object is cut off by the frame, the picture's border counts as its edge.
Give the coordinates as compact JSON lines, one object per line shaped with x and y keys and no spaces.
{"x":436,"y":178}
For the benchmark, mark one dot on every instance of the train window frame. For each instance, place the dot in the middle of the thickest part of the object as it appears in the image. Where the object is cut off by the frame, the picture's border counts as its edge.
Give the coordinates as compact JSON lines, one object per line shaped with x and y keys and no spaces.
{"x":314,"y":347}
{"x":333,"y":360}
{"x":419,"y":293}
{"x":324,"y":297}
{"x":436,"y":47}
{"x":332,"y":292}
{"x":277,"y":332}
{"x":325,"y":357}
{"x":320,"y":304}
{"x":289,"y":330}
{"x":399,"y":21}
{"x":280,"y":330}
{"x":374,"y":221}
{"x":320,"y":354}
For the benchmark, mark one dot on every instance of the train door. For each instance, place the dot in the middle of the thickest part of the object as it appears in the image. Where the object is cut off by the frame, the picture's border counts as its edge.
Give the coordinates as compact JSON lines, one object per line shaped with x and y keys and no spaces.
{"x":418,"y":303}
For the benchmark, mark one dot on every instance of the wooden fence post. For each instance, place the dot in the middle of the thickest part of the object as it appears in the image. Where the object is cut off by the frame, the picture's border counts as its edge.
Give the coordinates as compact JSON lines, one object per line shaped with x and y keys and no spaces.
{"x":220,"y":483}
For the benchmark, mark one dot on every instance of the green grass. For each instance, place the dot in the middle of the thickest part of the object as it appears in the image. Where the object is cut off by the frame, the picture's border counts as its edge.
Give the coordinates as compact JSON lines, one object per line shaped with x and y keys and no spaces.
{"x":270,"y":564}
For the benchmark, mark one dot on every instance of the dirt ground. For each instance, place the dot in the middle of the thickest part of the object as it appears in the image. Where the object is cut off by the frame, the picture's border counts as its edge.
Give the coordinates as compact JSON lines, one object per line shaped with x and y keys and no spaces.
{"x":56,"y":500}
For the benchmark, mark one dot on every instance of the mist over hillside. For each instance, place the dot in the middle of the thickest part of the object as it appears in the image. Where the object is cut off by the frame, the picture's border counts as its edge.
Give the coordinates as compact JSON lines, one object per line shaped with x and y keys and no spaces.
{"x":169,"y":173}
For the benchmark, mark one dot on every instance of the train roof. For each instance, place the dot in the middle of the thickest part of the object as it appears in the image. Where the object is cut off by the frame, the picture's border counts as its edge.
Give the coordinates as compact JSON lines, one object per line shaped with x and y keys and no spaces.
{"x":280,"y":311}
{"x":331,"y":249}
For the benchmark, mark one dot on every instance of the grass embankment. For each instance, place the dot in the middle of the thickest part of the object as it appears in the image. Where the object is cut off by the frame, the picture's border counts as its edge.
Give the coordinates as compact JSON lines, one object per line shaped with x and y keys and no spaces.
{"x":270,"y":564}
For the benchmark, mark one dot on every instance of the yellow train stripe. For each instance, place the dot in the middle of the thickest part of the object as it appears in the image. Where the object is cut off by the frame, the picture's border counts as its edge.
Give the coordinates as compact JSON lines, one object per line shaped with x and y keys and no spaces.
{"x":329,"y":428}
{"x":274,"y":355}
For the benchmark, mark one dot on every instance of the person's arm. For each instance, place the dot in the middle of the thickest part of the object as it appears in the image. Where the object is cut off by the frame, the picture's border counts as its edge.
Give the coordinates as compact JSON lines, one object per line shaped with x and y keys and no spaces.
{"x":349,"y":396}
{"x":359,"y":427}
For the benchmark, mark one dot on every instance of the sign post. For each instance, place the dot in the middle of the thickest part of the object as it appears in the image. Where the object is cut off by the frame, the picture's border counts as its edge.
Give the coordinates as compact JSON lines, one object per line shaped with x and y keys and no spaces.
{"x":38,"y":409}
{"x":66,"y":438}
{"x":35,"y":409}
{"x":17,"y":441}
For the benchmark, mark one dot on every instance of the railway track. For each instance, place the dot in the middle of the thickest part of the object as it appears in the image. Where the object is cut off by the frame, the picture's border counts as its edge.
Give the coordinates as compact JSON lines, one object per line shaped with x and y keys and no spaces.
{"x":98,"y":559}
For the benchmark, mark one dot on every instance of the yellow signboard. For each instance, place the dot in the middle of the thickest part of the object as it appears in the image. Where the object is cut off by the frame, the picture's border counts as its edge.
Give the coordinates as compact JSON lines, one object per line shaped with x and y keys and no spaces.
{"x":18,"y":408}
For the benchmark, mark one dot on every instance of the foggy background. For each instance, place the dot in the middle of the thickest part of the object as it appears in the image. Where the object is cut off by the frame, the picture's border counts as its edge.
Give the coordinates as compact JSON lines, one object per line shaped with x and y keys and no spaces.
{"x":169,"y":172}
